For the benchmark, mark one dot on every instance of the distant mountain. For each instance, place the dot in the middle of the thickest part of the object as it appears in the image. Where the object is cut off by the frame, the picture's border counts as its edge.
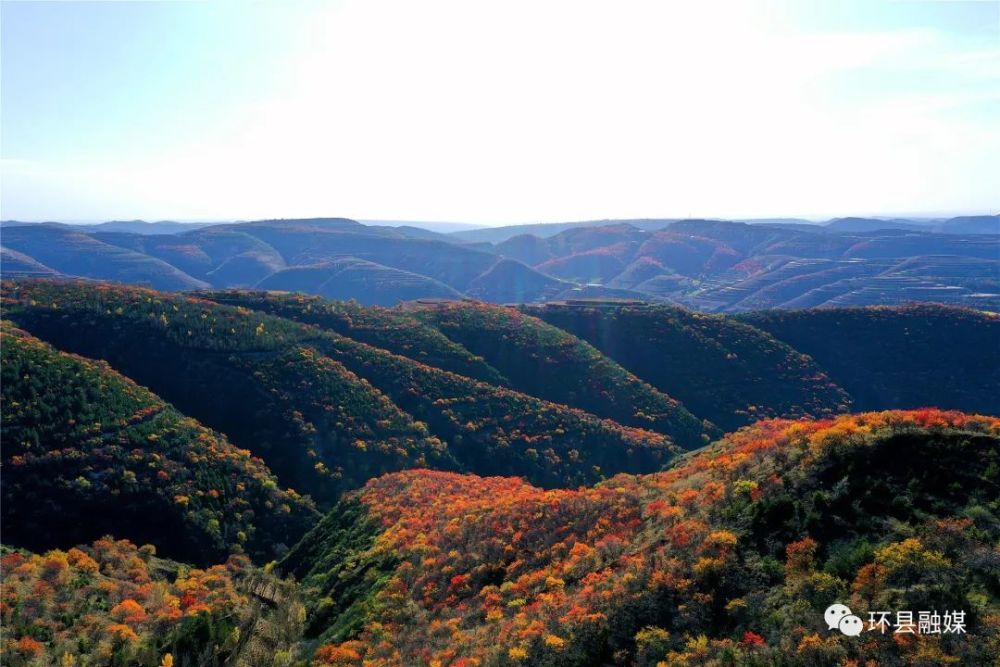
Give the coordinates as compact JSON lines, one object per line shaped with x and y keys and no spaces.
{"x":874,"y":224}
{"x":510,"y":281}
{"x":334,"y":257}
{"x":347,"y":277}
{"x":439,"y":227}
{"x":972,"y":224}
{"x":127,"y":226}
{"x":724,"y":266}
{"x":549,"y":229}
{"x":76,"y":253}
{"x":143,"y":227}
{"x":14,"y":263}
{"x":709,"y":265}
{"x":802,"y":222}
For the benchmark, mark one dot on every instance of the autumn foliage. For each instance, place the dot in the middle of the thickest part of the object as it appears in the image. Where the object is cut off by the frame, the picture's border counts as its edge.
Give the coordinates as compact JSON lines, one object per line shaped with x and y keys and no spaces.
{"x":87,"y":451}
{"x":500,"y":492}
{"x":111,"y":603}
{"x":730,"y":555}
{"x":720,"y":368}
{"x":326,"y":411}
{"x":543,"y":360}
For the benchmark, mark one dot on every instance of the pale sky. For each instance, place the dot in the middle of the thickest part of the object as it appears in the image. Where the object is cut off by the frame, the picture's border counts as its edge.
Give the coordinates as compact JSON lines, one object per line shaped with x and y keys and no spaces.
{"x":499,"y":112}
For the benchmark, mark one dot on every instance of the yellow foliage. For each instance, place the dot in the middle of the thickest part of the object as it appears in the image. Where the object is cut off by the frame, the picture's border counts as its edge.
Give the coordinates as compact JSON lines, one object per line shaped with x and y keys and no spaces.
{"x":517,"y":653}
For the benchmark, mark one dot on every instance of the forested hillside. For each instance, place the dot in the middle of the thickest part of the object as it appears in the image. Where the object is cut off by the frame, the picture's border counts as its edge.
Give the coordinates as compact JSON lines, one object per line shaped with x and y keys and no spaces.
{"x":325,"y":411}
{"x":546,"y":361}
{"x":113,"y":603}
{"x":729,"y":370}
{"x":720,"y":369}
{"x":498,"y":345}
{"x":87,"y":452}
{"x":464,"y":430}
{"x":730,"y":557}
{"x":247,"y":375}
{"x":389,"y":329}
{"x":889,"y":357}
{"x":473,"y":513}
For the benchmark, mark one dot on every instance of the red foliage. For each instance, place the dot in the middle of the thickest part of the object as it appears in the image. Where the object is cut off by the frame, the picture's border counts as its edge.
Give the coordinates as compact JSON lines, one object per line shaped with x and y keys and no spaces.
{"x":539,"y":567}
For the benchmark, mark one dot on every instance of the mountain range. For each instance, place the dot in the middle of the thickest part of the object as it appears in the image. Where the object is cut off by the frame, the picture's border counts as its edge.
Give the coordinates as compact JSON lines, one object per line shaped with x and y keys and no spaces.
{"x":250,"y":477}
{"x":713,"y":266}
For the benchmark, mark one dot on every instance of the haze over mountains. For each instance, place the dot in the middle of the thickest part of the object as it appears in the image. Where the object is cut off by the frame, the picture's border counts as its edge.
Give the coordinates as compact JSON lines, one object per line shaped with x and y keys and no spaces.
{"x":715,"y":266}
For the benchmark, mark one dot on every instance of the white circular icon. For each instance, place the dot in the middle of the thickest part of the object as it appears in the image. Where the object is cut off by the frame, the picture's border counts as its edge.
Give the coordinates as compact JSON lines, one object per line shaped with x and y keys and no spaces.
{"x":851,"y":625}
{"x":835,"y":613}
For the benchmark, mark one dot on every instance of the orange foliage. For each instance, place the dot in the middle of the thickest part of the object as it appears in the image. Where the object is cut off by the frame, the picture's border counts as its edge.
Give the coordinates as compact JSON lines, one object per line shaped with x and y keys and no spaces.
{"x":540,"y":567}
{"x":107,"y":591}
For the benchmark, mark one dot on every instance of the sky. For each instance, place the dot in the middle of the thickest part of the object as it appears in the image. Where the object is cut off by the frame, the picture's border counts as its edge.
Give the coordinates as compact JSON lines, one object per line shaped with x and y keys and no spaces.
{"x":498,"y":112}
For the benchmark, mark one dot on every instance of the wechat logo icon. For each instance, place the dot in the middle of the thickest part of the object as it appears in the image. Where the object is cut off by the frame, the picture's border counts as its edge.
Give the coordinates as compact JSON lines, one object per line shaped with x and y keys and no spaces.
{"x":839,"y":617}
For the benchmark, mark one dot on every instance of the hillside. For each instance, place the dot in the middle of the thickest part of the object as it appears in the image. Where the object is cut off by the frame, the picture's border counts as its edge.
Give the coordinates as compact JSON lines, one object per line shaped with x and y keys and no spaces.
{"x":542,"y":360}
{"x":504,"y":432}
{"x":324,"y":411}
{"x":113,"y":603}
{"x":88,"y":452}
{"x":390,"y":330}
{"x":870,"y":224}
{"x":503,"y":486}
{"x":18,"y":264}
{"x":216,"y":255}
{"x":347,"y":277}
{"x":730,"y":557}
{"x":510,"y":281}
{"x":719,"y":369}
{"x":318,"y":426}
{"x":307,"y":242}
{"x":75,"y":253}
{"x":334,"y":257}
{"x":499,"y":345}
{"x":722,"y":266}
{"x":972,"y":224}
{"x":899,"y":357}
